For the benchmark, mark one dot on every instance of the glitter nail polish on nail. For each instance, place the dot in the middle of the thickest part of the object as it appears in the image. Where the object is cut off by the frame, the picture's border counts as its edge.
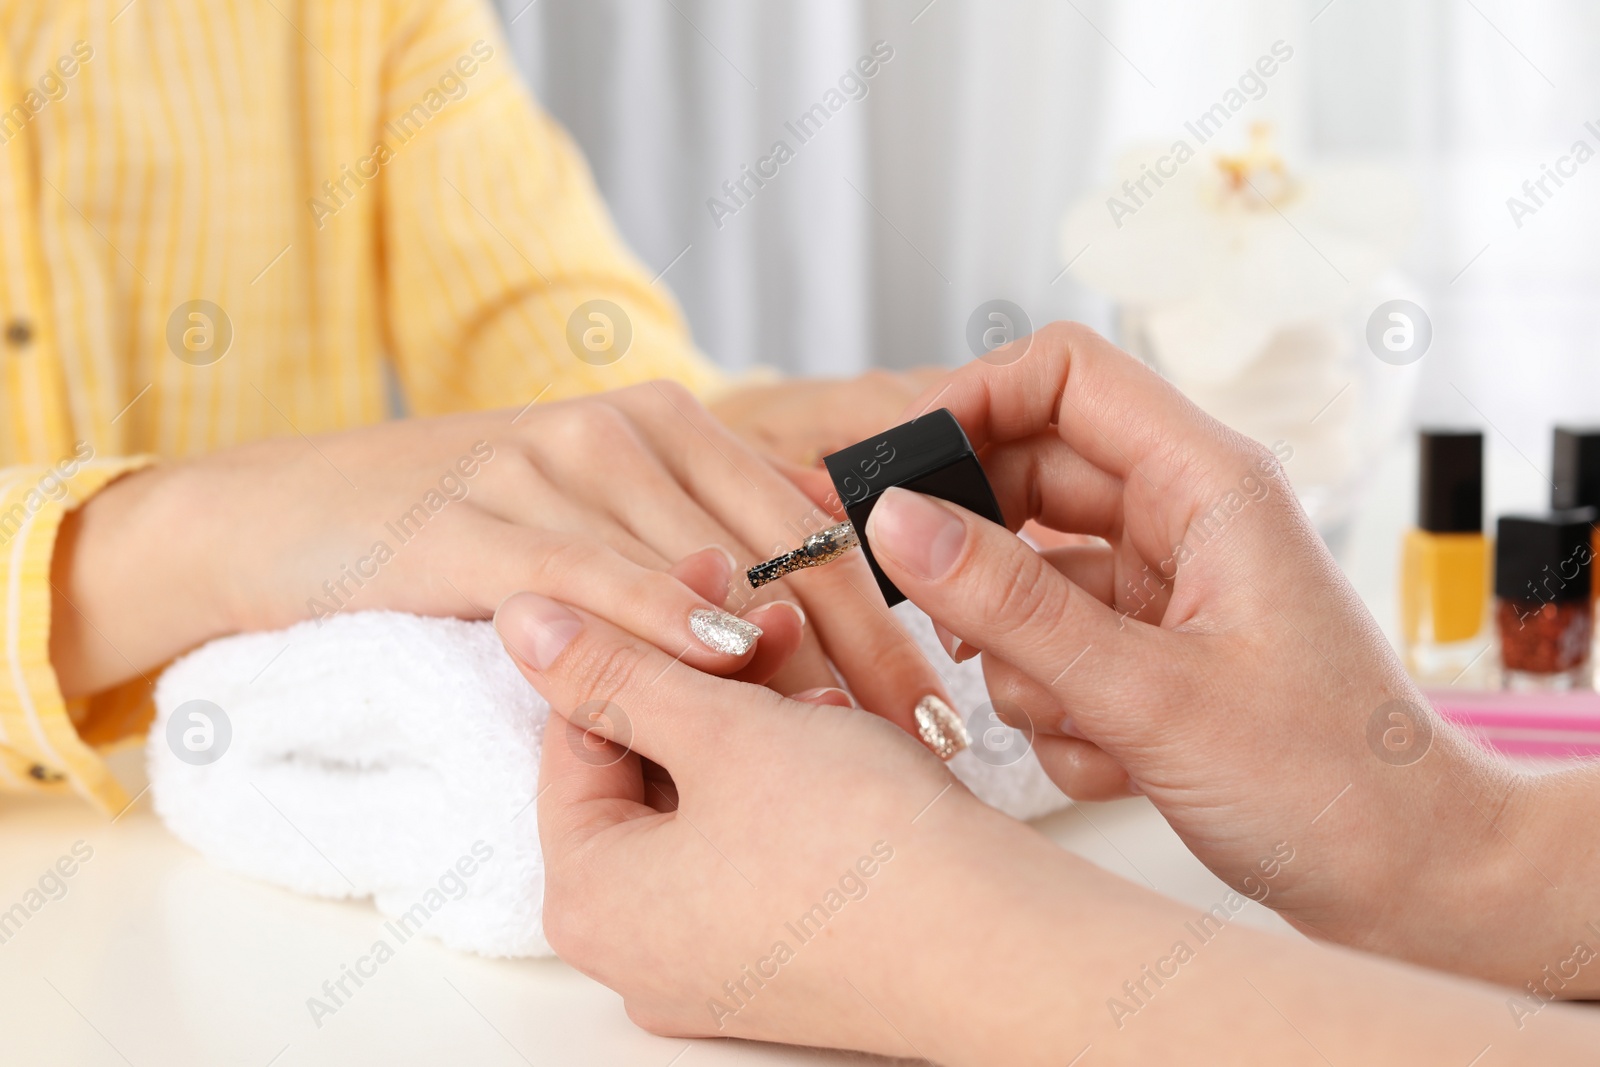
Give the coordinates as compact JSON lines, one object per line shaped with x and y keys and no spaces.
{"x":940,"y":727}
{"x":723,"y":632}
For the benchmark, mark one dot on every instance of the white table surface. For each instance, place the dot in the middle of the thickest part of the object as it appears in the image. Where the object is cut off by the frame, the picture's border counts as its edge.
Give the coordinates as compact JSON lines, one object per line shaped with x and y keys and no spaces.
{"x":154,"y":957}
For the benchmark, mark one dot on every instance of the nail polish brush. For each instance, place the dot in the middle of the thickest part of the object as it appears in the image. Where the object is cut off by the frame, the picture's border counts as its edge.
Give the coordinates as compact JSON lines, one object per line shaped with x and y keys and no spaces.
{"x":930,"y":454}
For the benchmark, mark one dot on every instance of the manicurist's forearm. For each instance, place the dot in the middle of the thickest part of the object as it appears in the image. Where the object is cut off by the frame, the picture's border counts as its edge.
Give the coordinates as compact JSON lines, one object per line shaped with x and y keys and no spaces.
{"x":1497,"y":881}
{"x":1059,"y":957}
{"x":1536,"y":918}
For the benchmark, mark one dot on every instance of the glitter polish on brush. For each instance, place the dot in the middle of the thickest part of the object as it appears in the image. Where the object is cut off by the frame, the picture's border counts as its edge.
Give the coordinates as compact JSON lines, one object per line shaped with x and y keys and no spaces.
{"x":1444,"y":572}
{"x":819,"y":548}
{"x":930,"y":455}
{"x":1543,"y":609}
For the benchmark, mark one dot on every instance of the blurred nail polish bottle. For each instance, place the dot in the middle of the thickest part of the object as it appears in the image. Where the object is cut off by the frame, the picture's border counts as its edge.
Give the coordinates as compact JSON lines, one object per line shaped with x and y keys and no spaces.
{"x":1543,"y":567}
{"x":1577,"y":475}
{"x":1444,"y":568}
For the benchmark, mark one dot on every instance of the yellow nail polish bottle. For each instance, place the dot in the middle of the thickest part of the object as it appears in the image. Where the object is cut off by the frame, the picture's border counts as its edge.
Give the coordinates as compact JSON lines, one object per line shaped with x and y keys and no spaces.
{"x":1576,"y":476}
{"x":1444,"y":572}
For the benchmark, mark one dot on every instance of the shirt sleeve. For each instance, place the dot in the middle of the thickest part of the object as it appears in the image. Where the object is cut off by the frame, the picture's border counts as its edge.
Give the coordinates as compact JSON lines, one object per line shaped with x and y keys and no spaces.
{"x":505,"y":278}
{"x":46,"y":744}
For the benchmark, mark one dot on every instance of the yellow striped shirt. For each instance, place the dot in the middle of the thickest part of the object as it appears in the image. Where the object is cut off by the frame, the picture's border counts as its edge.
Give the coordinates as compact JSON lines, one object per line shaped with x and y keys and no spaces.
{"x":222,"y":220}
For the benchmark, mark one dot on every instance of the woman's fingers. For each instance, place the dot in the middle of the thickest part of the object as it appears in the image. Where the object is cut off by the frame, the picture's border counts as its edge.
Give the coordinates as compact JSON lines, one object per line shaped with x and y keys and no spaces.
{"x":1091,"y":568}
{"x":782,"y":631}
{"x":664,"y":450}
{"x":1117,"y":577}
{"x":707,"y":572}
{"x":782,"y":622}
{"x":1042,"y":477}
{"x":986,"y":586}
{"x":889,"y":675}
{"x":641,"y":509}
{"x":1081,"y":769}
{"x":1109,"y":407}
{"x":880,"y":663}
{"x":643,"y":600}
{"x":608,"y":680}
{"x":586,"y":785}
{"x":1078,"y":766}
{"x":1124,"y":419}
{"x":824,"y":695}
{"x":815,"y":483}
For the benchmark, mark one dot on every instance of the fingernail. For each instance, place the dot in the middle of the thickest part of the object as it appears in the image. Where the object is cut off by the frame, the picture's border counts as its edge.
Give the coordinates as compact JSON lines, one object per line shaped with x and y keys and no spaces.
{"x":940,"y":727}
{"x":722,"y":632}
{"x":947,"y":640}
{"x":924,"y":537}
{"x":1069,"y":730}
{"x":965,"y":652}
{"x":729,"y":565}
{"x":534,"y":628}
{"x":779,"y":605}
{"x":825,"y":694}
{"x":1135,"y":788}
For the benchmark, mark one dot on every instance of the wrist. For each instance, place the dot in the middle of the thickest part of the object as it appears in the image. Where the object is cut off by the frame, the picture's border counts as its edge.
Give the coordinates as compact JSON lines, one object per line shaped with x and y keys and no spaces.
{"x":188,"y":511}
{"x":1004,"y":944}
{"x":1540,"y":908}
{"x":127,"y":592}
{"x":1471,"y":886}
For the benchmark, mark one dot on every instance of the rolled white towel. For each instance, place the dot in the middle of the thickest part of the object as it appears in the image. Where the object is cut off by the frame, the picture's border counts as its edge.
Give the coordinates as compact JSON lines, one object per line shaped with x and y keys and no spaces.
{"x":397,"y":757}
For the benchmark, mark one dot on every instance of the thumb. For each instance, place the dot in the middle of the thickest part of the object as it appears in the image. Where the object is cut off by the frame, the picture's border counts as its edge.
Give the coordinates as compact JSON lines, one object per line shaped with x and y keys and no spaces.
{"x":988,"y":587}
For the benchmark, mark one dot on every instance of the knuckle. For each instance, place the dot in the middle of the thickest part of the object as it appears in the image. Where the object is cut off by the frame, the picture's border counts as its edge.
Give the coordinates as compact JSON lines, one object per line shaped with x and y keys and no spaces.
{"x":605,"y":423}
{"x":1005,"y":683}
{"x":517,"y":476}
{"x":559,"y":557}
{"x":602,"y":670}
{"x":1252,"y":452}
{"x":1066,"y":334}
{"x":1061,"y":330}
{"x":675,"y":394}
{"x":582,"y":425}
{"x":1018,"y":590}
{"x":651,"y":588}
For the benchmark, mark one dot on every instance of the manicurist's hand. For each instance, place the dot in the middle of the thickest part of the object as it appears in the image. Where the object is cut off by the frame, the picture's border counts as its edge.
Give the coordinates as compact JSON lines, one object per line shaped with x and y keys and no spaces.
{"x":800,"y":420}
{"x":1213,"y":656}
{"x":587,"y":500}
{"x":793,"y":870}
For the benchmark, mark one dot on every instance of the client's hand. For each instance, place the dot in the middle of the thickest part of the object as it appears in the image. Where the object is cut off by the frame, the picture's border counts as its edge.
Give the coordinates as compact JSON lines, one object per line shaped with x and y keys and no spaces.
{"x":587,"y":500}
{"x":800,"y":420}
{"x":1215,"y":655}
{"x":677,"y":890}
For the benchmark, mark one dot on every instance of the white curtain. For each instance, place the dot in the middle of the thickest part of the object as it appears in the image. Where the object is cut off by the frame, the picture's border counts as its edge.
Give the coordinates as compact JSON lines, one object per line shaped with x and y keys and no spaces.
{"x":939,"y":190}
{"x":945,"y":186}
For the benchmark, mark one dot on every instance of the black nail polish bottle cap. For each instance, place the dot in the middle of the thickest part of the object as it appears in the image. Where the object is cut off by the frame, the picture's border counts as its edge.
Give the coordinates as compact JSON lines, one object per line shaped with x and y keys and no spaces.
{"x":1450,"y":490}
{"x":1545,"y":558}
{"x":931,"y":455}
{"x":1577,"y":468}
